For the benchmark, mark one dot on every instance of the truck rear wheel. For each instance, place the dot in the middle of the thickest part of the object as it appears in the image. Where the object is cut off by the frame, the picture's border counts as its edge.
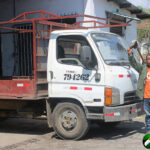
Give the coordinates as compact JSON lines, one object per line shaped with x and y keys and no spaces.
{"x":69,"y":121}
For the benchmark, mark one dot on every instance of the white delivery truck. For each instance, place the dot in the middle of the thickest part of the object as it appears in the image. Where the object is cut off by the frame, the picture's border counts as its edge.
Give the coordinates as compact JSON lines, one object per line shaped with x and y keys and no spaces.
{"x":95,"y":82}
{"x":74,"y":74}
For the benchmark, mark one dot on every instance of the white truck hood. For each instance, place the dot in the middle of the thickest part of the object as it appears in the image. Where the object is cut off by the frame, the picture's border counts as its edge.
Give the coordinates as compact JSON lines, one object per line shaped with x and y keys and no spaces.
{"x":123,"y":78}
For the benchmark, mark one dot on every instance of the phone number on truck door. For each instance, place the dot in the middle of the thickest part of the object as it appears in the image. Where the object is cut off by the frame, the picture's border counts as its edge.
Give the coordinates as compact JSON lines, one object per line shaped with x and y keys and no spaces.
{"x":83,"y":77}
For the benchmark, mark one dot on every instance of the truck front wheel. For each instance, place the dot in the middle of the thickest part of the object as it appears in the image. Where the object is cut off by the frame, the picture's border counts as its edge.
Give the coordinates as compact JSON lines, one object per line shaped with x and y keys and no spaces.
{"x":69,"y":121}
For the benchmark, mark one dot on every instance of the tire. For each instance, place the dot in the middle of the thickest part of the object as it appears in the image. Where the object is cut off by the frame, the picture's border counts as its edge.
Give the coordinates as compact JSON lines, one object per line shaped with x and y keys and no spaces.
{"x":69,"y":121}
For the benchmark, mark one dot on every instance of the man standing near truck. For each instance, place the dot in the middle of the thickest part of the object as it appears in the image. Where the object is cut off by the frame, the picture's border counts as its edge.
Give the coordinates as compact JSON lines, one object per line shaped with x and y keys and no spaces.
{"x":143,"y":86}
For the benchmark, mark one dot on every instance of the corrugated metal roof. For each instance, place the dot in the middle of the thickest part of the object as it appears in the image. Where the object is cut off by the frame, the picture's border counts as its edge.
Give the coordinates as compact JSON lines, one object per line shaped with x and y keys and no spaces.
{"x":130,"y":7}
{"x":123,"y":15}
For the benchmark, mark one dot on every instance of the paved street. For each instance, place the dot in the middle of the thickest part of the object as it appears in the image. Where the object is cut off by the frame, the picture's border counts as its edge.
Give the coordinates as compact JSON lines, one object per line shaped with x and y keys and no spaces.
{"x":28,"y":134}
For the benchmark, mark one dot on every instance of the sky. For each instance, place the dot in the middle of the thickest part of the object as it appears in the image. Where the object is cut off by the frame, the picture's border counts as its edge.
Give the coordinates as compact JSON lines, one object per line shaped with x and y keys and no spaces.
{"x":143,"y":3}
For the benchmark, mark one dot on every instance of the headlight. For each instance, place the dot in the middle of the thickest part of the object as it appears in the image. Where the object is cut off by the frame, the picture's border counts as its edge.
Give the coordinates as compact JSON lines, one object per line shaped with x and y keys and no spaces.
{"x":112,"y":96}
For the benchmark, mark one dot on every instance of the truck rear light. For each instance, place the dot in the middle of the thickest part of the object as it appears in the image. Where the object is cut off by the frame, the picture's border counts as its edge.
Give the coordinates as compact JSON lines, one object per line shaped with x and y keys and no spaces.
{"x":108,"y":96}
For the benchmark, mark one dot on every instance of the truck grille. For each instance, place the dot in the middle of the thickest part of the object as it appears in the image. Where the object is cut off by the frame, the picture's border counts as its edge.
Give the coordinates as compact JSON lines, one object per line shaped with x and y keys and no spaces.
{"x":130,"y":96}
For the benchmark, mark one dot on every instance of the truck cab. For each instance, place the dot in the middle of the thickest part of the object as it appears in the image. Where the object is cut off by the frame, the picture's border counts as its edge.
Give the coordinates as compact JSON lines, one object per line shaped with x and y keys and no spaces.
{"x":90,"y":68}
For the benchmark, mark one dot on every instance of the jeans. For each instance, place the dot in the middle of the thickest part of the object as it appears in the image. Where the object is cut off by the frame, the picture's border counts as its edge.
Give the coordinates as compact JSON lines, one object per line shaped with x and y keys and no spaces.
{"x":147,"y":111}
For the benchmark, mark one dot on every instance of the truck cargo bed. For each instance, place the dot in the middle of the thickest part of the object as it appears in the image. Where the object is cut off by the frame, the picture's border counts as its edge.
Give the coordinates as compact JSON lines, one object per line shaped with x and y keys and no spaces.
{"x":23,"y":62}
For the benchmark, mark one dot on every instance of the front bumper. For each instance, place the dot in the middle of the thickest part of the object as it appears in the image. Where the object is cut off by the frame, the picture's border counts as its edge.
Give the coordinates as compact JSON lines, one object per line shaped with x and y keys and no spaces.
{"x":122,"y":113}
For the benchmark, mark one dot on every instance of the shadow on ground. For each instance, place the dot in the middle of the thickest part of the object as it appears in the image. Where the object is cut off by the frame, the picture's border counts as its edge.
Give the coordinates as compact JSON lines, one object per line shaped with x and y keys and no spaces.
{"x":25,"y":126}
{"x":122,"y":130}
{"x":40,"y":127}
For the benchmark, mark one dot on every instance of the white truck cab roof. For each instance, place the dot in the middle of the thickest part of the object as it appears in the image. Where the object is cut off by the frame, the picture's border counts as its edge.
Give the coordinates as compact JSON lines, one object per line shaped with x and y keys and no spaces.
{"x":80,"y":31}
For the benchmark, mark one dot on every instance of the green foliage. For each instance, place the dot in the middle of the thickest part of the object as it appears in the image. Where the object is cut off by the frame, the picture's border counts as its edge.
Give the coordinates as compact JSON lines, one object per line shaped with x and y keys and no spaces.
{"x":144,"y":9}
{"x":140,"y":7}
{"x":148,"y":11}
{"x":143,"y":34}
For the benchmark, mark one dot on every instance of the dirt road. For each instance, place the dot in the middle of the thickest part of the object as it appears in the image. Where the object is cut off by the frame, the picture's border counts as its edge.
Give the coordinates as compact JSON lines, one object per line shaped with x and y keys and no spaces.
{"x":28,"y":134}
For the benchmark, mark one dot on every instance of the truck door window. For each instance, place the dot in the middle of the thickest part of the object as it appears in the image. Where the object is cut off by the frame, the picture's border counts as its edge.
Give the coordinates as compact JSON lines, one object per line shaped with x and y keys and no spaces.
{"x":68,"y":51}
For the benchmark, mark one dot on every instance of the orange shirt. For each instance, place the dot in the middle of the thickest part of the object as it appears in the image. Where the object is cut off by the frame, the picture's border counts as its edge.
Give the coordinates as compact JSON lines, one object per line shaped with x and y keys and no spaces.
{"x":147,"y":85}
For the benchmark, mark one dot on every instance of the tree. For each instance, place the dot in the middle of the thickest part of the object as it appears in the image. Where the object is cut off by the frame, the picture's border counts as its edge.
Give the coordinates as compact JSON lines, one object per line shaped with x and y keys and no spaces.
{"x":143,"y":30}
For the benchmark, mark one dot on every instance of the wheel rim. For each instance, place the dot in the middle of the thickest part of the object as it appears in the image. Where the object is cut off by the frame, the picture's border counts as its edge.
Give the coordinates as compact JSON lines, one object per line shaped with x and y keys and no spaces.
{"x":68,"y":120}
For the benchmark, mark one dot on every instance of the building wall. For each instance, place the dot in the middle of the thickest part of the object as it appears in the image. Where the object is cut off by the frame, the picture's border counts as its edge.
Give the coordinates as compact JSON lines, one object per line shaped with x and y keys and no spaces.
{"x":67,"y":7}
{"x":6,"y":10}
{"x":59,"y":7}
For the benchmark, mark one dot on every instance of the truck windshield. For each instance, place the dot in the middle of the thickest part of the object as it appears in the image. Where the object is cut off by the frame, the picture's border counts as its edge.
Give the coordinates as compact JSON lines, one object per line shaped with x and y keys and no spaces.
{"x":112,"y":48}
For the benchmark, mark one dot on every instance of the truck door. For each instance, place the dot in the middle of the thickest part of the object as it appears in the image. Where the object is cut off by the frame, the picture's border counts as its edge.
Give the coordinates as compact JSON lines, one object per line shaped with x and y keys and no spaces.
{"x":71,"y":75}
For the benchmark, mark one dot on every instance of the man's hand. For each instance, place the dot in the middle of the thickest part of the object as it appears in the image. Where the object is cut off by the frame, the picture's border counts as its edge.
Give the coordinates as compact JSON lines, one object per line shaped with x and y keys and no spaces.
{"x":130,"y":52}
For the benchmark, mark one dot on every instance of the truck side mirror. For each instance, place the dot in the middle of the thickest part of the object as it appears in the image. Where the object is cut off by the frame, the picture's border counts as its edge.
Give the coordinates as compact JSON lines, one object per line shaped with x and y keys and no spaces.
{"x":85,"y":55}
{"x":97,"y":77}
